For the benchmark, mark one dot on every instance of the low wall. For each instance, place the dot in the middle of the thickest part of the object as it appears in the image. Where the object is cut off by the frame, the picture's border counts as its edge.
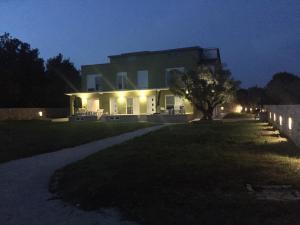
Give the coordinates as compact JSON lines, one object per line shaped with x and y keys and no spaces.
{"x":32,"y":113}
{"x":286,"y":118}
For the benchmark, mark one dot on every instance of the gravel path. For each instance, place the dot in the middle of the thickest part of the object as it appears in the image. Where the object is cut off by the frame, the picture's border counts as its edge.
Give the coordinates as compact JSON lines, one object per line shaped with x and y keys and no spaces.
{"x":24,"y":196}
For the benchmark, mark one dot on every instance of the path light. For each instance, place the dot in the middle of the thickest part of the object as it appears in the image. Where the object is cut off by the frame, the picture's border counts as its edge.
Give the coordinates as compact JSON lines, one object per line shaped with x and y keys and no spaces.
{"x":222,"y":108}
{"x":274,"y":117}
{"x":187,"y":92}
{"x":280,"y":120}
{"x":40,"y":113}
{"x":246,"y":109}
{"x":290,"y":123}
{"x":250,"y":109}
{"x":238,"y":109}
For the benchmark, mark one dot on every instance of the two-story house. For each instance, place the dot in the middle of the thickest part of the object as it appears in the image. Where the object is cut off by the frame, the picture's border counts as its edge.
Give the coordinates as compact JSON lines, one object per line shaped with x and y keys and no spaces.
{"x":138,"y":83}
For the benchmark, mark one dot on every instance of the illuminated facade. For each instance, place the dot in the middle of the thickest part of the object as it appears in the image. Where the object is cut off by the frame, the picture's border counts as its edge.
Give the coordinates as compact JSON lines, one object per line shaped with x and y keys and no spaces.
{"x":138,"y":83}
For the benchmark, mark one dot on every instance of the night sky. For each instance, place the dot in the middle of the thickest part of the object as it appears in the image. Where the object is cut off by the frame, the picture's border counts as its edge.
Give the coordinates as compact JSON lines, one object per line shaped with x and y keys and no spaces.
{"x":257,"y":37}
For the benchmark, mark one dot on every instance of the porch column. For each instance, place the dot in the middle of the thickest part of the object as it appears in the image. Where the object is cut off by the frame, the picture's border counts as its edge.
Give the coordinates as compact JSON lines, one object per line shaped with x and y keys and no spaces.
{"x":72,"y":100}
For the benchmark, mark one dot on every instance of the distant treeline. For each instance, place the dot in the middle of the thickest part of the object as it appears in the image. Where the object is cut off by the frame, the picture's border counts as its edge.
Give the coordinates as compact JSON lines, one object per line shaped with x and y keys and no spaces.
{"x":26,"y":80}
{"x":283,"y":89}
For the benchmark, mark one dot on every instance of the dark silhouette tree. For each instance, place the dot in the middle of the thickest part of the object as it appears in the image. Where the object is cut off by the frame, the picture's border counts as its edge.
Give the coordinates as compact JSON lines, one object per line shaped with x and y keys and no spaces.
{"x":62,"y":78}
{"x":205,"y":89}
{"x":284,"y":88}
{"x":21,"y":74}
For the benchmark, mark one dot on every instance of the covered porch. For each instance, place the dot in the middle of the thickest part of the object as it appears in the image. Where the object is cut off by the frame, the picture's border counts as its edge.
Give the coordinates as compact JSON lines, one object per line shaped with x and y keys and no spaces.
{"x":128,"y":103}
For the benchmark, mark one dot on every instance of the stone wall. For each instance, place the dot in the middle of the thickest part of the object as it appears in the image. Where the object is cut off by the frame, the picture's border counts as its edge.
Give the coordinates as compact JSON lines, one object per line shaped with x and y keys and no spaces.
{"x":286,"y":118}
{"x":32,"y":113}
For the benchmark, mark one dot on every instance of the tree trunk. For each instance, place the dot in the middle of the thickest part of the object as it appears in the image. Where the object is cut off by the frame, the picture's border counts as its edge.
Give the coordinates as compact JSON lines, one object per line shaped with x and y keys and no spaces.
{"x":207,"y":114}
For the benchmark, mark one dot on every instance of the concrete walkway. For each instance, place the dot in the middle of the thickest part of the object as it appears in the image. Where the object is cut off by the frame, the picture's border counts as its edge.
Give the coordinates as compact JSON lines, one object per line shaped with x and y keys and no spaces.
{"x":24,"y":196}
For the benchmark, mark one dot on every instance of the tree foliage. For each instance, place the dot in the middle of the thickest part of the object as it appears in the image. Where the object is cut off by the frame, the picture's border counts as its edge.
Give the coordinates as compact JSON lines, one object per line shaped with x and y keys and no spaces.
{"x":21,"y":73}
{"x":205,"y":89}
{"x":252,"y":97}
{"x":62,"y":77}
{"x":284,"y":88}
{"x":24,"y":81}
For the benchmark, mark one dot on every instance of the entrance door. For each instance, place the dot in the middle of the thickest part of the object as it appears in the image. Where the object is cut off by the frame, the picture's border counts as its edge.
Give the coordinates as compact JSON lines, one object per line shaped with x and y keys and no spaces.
{"x":151,"y":104}
{"x":136,"y":106}
{"x":93,"y":105}
{"x":129,"y":108}
{"x":113,"y":108}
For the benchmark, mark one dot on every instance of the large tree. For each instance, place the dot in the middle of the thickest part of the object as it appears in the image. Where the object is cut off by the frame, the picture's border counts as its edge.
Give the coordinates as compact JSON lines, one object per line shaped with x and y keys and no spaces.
{"x":21,"y":74}
{"x":204,"y":88}
{"x":62,"y":78}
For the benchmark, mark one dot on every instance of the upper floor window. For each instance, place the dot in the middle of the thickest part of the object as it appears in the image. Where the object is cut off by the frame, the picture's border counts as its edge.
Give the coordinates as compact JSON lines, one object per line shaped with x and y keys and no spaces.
{"x":142,"y":79}
{"x":121,"y":80}
{"x":94,"y":82}
{"x":169,"y":74}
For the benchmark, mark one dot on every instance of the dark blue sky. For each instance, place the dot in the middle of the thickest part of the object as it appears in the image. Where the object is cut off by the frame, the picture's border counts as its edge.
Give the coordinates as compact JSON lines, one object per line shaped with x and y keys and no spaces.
{"x":257,"y":37}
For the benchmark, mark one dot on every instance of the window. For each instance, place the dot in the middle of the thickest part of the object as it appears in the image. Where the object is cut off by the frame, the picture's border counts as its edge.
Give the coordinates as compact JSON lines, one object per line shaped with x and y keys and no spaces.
{"x":129,"y":105}
{"x":170,"y":101}
{"x":170,"y":75}
{"x":121,"y":80}
{"x":142,"y":79}
{"x":98,"y":83}
{"x":94,"y":82}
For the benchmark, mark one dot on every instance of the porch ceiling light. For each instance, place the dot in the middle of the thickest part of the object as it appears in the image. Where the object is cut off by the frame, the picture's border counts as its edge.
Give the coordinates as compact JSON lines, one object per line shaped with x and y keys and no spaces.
{"x":142,"y":96}
{"x":121,"y":96}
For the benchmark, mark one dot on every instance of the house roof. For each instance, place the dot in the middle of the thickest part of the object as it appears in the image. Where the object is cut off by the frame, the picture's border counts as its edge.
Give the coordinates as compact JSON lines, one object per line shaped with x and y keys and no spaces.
{"x":155,"y":52}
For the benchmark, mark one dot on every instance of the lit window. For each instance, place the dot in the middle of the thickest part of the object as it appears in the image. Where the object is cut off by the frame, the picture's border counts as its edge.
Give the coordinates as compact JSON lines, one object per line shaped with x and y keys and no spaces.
{"x":280,"y":120}
{"x":121,"y":80}
{"x":290,"y":123}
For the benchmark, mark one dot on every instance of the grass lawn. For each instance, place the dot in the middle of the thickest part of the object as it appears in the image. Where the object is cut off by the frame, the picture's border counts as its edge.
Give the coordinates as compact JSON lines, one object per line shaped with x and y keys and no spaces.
{"x":26,"y":138}
{"x":189,"y":175}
